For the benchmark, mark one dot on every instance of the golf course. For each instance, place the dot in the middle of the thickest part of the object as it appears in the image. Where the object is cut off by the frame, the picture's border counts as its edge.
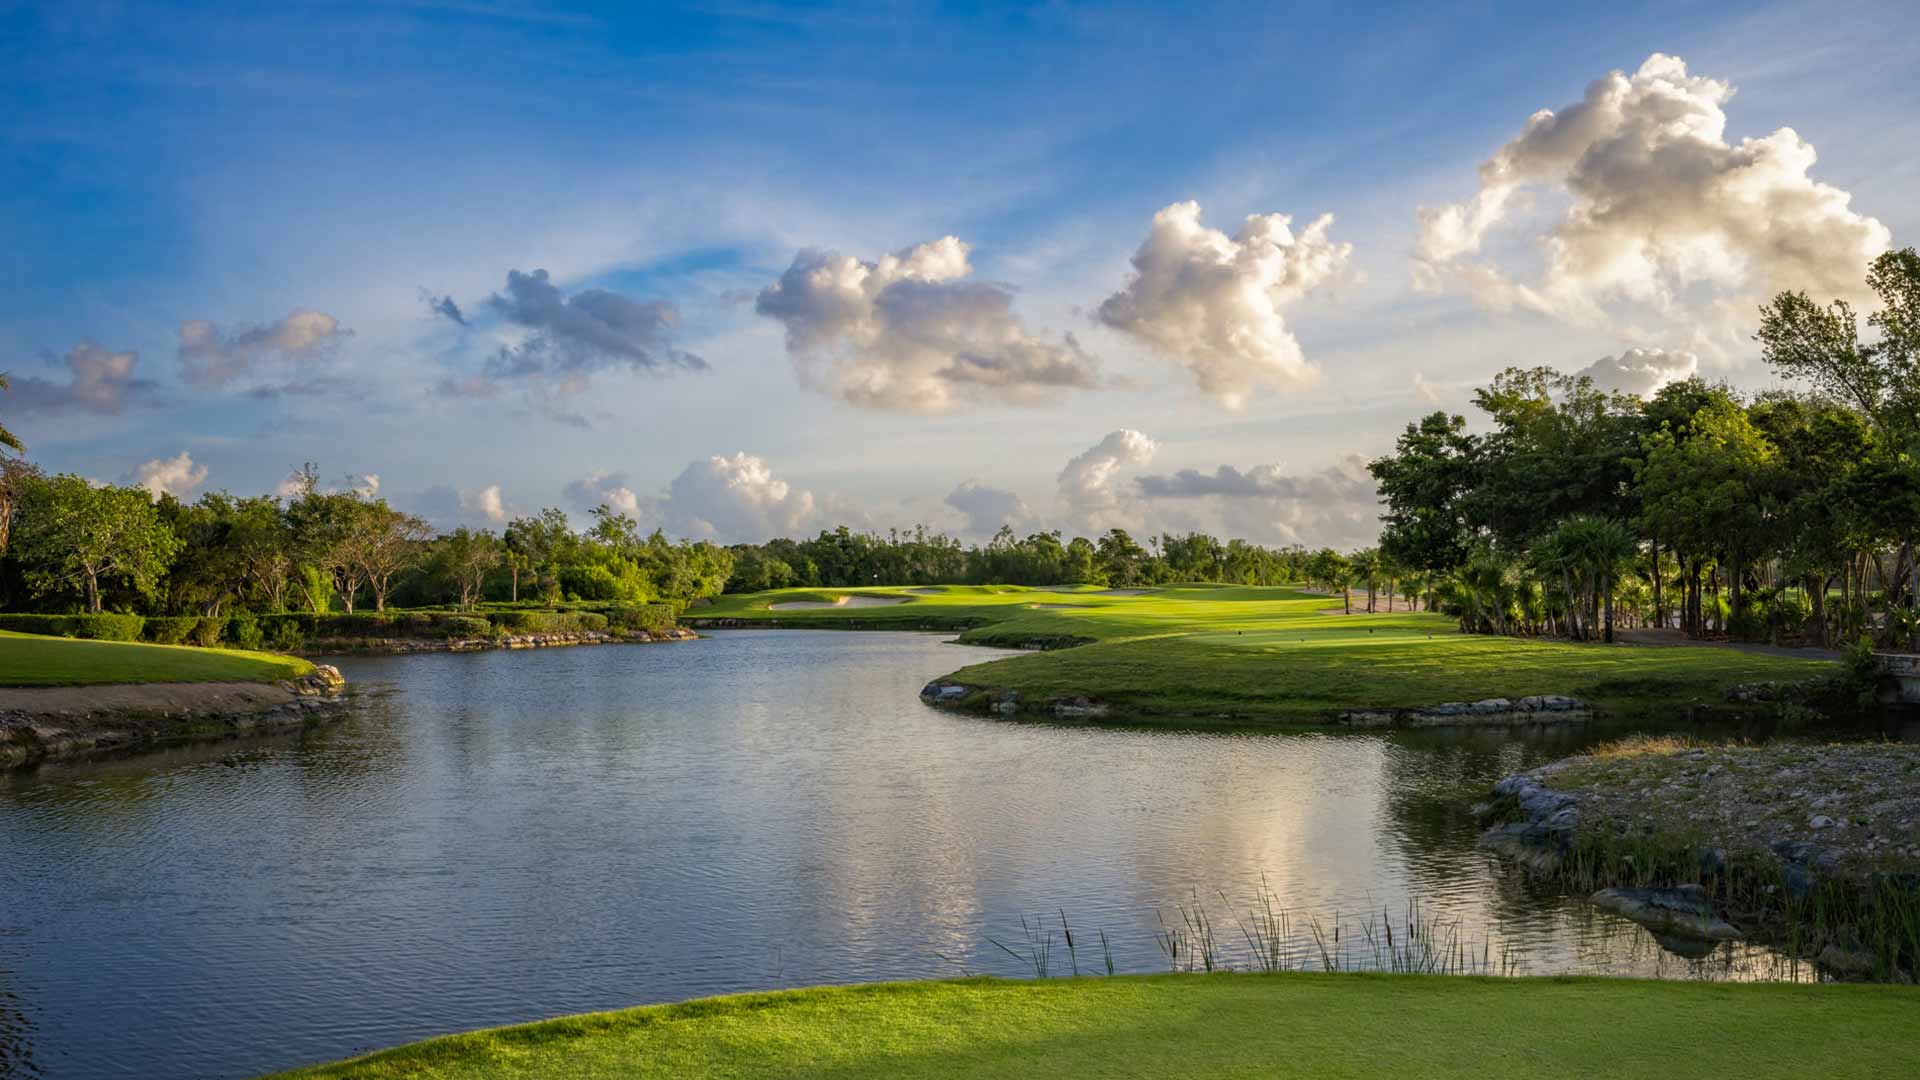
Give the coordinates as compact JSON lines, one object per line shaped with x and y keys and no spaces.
{"x":1212,"y":1026}
{"x":37,"y":660}
{"x":1212,"y":654}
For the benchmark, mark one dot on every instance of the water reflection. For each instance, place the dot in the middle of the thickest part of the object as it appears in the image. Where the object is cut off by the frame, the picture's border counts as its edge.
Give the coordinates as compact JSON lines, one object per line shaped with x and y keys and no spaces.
{"x":506,"y":836}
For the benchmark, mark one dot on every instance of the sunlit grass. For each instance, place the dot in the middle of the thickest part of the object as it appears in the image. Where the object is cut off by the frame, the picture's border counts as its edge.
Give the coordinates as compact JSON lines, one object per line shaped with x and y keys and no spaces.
{"x":1272,"y":654}
{"x":33,"y":660}
{"x":1211,"y":1026}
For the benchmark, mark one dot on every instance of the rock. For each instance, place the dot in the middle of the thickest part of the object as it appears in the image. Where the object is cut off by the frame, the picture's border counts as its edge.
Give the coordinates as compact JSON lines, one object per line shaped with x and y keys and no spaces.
{"x":1684,"y":911}
{"x":1821,"y":821}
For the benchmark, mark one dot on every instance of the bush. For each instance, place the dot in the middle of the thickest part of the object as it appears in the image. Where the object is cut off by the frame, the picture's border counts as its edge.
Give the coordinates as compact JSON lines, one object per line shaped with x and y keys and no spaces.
{"x":168,"y":629}
{"x":466,"y":626}
{"x":243,"y":630}
{"x":207,"y":632}
{"x":282,"y":635}
{"x":104,"y":627}
{"x":549,"y":622}
{"x":641,"y":617}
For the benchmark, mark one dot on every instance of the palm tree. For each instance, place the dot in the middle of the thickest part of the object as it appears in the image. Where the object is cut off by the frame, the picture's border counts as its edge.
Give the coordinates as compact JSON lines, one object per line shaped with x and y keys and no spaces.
{"x":1595,"y":548}
{"x":1368,"y":564}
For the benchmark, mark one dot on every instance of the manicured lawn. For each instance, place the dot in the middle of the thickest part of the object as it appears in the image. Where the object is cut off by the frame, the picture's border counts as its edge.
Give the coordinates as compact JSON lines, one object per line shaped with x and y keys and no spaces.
{"x":1211,"y":1026}
{"x":1269,"y":655}
{"x":32,"y":660}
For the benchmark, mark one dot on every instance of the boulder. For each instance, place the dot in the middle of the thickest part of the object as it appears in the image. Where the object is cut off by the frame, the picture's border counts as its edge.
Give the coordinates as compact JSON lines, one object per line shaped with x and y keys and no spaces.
{"x":1684,"y":911}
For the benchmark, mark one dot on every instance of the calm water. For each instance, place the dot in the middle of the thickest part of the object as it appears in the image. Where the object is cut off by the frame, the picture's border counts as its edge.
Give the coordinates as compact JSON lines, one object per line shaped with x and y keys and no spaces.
{"x":499,"y":837}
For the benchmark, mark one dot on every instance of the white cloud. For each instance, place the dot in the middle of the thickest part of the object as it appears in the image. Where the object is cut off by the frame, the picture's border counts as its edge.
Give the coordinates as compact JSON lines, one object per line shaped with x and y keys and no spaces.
{"x":369,"y":486}
{"x":1425,"y":390}
{"x":986,"y":509}
{"x":1665,"y":218}
{"x":601,"y":488}
{"x":909,"y":332}
{"x":1642,"y":372}
{"x":1212,"y":303}
{"x":177,"y":476}
{"x":733,"y":499}
{"x":1090,"y":495}
{"x":487,"y":503}
{"x":213,"y":357}
{"x":1337,"y":506}
{"x":98,"y":380}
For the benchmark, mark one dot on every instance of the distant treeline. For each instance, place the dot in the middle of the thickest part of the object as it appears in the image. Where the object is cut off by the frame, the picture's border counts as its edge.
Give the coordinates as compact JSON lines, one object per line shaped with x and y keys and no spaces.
{"x":75,"y":546}
{"x":842,"y":558}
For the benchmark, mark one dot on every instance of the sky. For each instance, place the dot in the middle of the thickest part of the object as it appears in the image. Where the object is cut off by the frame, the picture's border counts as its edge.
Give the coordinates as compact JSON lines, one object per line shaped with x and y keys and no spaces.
{"x":760,"y":269}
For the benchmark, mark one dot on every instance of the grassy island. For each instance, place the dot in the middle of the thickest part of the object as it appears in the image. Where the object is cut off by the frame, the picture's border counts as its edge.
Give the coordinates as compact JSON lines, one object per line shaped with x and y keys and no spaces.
{"x":33,"y":660}
{"x":1211,"y":1026}
{"x":1263,"y":655}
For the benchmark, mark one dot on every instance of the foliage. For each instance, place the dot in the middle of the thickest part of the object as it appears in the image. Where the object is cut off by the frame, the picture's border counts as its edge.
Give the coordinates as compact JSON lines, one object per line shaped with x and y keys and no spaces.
{"x":72,"y":535}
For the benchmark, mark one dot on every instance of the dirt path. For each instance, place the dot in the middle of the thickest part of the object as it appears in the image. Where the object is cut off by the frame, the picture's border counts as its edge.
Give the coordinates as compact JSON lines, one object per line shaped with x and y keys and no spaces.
{"x":142,"y":697}
{"x":1661,"y":638}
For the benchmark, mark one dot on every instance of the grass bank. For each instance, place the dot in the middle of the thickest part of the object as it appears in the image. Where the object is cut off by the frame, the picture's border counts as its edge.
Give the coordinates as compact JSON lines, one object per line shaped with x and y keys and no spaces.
{"x":1211,"y":1026}
{"x":1265,"y":655}
{"x":32,"y":660}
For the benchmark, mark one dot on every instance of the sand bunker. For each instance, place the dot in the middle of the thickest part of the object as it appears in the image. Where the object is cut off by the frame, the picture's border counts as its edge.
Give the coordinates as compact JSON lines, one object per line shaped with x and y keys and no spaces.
{"x":1127,"y":592}
{"x":929,"y":590}
{"x":838,"y":602}
{"x":1056,"y":605}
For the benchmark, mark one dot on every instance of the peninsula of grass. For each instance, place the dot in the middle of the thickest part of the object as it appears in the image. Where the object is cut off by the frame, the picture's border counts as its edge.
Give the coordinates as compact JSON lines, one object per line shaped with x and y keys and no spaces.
{"x":1240,"y":655}
{"x":33,"y":660}
{"x":1206,"y":1026}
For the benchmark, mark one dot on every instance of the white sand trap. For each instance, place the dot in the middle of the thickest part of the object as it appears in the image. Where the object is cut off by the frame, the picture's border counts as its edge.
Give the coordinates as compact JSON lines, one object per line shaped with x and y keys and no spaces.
{"x":1046,"y":606}
{"x":929,"y":590}
{"x":838,"y":602}
{"x":1127,"y":592}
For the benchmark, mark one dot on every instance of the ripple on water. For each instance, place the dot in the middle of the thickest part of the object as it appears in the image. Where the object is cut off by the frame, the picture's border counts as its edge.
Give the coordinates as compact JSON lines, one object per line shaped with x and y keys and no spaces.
{"x":507,"y":836}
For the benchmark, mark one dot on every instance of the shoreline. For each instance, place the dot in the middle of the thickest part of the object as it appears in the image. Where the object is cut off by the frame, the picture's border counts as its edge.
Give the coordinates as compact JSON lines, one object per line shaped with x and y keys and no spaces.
{"x":57,"y":723}
{"x":1811,"y":847}
{"x":403,"y":646}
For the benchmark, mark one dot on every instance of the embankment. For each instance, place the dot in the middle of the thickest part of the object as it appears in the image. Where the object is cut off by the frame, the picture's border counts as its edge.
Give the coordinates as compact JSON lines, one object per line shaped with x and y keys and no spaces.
{"x":45,"y":723}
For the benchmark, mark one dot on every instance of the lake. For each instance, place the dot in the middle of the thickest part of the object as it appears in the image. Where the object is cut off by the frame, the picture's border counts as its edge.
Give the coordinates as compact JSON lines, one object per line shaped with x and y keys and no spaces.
{"x":505,"y":836}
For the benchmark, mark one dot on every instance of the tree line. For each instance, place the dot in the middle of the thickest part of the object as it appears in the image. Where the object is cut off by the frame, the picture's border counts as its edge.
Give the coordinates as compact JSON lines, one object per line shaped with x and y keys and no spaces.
{"x":71,"y":545}
{"x":1784,"y":515}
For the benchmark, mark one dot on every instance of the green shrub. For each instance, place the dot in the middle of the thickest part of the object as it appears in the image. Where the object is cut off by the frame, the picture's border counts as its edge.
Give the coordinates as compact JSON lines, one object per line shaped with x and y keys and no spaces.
{"x":549,"y":622}
{"x":168,"y":629}
{"x":103,"y":627}
{"x":282,"y":634}
{"x":243,"y":631}
{"x":641,"y":617}
{"x":207,"y":631}
{"x":465,"y":626}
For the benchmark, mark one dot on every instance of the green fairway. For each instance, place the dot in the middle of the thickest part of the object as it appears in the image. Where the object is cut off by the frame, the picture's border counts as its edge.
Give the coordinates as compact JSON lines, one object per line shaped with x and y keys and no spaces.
{"x":1210,"y":1026}
{"x":1232,"y":654}
{"x":32,"y":660}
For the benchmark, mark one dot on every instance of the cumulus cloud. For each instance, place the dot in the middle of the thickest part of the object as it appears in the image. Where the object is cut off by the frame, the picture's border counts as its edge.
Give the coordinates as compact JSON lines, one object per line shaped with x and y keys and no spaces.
{"x":986,"y":509}
{"x":177,"y":476}
{"x":1641,"y":372}
{"x":910,"y":332}
{"x":443,"y":307}
{"x":487,"y":503}
{"x":1090,"y":492}
{"x":368,"y":486}
{"x":571,"y":336}
{"x":214,"y":357}
{"x":733,"y":499}
{"x":1213,"y":303}
{"x":98,"y":380}
{"x":1337,"y":506}
{"x":1665,"y":217}
{"x":1425,"y":390}
{"x":603,"y":489}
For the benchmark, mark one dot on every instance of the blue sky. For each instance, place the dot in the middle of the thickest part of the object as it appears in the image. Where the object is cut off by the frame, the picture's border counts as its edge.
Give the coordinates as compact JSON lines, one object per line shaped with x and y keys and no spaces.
{"x":166,"y":165}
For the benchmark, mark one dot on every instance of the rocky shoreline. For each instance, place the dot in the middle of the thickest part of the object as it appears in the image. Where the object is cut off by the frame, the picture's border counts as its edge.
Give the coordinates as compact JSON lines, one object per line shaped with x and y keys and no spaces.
{"x":50,"y":723}
{"x":1493,"y":712}
{"x":1817,"y":844}
{"x":396,"y":646}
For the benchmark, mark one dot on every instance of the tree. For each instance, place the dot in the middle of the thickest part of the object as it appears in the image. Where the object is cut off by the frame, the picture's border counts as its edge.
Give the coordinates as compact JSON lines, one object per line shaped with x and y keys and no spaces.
{"x":14,"y":472}
{"x":1367,"y":567}
{"x":462,"y":559}
{"x":1425,"y":484}
{"x":383,"y":542}
{"x":74,"y":535}
{"x":1880,"y":378}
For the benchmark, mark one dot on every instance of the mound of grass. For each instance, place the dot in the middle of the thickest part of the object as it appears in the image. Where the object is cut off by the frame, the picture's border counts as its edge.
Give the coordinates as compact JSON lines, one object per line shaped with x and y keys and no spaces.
{"x":1239,"y":654}
{"x":31,"y":660}
{"x":1209,"y":1026}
